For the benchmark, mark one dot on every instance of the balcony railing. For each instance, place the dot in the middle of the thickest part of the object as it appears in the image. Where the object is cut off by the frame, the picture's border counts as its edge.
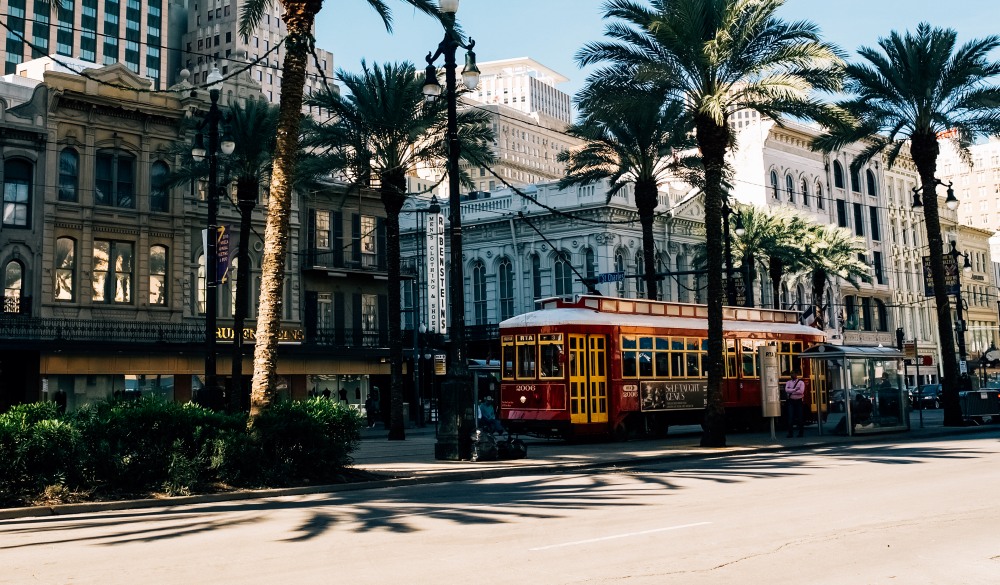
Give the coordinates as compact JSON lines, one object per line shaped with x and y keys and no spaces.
{"x":19,"y":328}
{"x":346,"y":260}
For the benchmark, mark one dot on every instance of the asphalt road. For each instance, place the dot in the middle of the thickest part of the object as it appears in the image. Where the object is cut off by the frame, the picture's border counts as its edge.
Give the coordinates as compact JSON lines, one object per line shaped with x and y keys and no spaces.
{"x":876,"y":513}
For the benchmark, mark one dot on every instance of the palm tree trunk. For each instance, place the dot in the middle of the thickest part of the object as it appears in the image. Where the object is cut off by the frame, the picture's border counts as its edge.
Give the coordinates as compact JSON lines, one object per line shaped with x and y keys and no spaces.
{"x":645,"y":203}
{"x":299,"y":18}
{"x":712,"y":140}
{"x":775,"y":269}
{"x":924,"y":150}
{"x":819,"y":288}
{"x":393,"y":192}
{"x":750,"y":276}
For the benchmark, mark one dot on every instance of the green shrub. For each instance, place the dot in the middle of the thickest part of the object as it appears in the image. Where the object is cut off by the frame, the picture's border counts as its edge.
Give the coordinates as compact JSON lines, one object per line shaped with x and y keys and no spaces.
{"x":38,"y":452}
{"x":305,"y":441}
{"x":128,"y":448}
{"x":148,"y":444}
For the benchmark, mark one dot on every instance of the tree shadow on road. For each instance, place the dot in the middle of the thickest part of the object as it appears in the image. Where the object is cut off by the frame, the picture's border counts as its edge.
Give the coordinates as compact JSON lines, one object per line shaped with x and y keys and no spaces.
{"x":537,"y":494}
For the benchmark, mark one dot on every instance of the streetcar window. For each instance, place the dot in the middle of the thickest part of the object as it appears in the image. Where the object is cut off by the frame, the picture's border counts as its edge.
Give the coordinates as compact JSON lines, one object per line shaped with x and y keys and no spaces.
{"x":508,"y":361}
{"x":693,"y":365}
{"x":526,"y":356}
{"x":629,"y":367}
{"x":645,"y":364}
{"x":662,"y":364}
{"x":731,"y":358}
{"x":748,"y":349}
{"x":550,"y":350}
{"x":788,"y":357}
{"x":677,"y":365}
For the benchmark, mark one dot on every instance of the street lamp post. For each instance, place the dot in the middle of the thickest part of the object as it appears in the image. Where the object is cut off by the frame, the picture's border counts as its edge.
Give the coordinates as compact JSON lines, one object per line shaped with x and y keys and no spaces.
{"x":456,"y":403}
{"x":246,"y":200}
{"x":960,"y":323}
{"x":211,"y":125}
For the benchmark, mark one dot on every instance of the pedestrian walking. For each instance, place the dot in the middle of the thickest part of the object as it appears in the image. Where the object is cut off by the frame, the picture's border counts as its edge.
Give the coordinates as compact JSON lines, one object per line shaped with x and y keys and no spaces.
{"x":795,"y":390}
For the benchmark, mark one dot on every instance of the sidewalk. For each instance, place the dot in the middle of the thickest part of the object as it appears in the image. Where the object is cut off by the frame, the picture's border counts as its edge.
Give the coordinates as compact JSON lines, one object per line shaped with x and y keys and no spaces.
{"x":414,"y":457}
{"x":412,"y":461}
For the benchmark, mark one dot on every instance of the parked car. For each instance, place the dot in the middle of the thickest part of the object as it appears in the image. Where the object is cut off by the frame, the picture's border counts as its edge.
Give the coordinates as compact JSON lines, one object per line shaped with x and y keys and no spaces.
{"x":837,"y":398}
{"x":927,"y":396}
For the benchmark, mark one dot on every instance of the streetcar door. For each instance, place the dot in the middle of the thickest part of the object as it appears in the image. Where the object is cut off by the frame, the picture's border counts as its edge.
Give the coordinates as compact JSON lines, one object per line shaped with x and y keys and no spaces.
{"x":598,"y":378}
{"x":588,"y":379}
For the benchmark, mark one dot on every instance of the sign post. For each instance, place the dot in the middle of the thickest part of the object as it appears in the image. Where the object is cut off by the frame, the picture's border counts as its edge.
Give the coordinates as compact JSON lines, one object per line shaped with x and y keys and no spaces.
{"x":770,"y":394}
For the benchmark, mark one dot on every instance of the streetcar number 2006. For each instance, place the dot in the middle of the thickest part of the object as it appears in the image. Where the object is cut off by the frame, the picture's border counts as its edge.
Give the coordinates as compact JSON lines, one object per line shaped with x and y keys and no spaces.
{"x":630,"y":391}
{"x":525,"y":388}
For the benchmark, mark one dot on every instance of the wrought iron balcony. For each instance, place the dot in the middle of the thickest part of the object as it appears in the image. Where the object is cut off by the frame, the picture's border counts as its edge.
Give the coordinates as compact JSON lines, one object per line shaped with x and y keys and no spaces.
{"x":101,"y":331}
{"x":318,"y":259}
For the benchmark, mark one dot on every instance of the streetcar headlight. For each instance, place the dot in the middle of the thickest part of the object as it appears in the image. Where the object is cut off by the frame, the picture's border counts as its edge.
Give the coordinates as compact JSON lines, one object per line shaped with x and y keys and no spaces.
{"x":523,"y":399}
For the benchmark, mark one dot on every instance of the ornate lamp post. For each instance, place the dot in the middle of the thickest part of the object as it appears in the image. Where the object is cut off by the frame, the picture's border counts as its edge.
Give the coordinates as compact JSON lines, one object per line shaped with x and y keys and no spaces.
{"x":456,"y":400}
{"x":210,"y":126}
{"x":959,"y":322}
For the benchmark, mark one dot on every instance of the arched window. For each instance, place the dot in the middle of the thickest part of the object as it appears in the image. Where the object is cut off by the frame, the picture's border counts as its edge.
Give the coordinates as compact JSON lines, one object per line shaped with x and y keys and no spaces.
{"x":114,"y":179}
{"x":620,"y":267}
{"x":479,"y":292}
{"x":536,"y":276}
{"x":157,"y":276}
{"x":13,"y":287}
{"x":505,"y":284}
{"x":199,"y":294}
{"x":590,"y":261}
{"x":563,"y":276}
{"x":774,"y":184}
{"x":790,"y":188}
{"x":855,"y":180}
{"x":800,"y":297}
{"x":65,"y":270}
{"x":16,"y":192}
{"x":785,"y":297}
{"x":159,"y":194}
{"x":69,"y":174}
{"x":230,"y":289}
{"x":640,"y":270}
{"x":819,"y":196}
{"x":872,"y":186}
{"x":805,"y":193}
{"x":838,"y":175}
{"x":111,"y":273}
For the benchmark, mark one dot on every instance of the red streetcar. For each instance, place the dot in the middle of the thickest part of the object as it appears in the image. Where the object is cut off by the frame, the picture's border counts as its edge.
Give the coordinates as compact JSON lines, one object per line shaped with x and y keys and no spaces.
{"x":619,"y":367}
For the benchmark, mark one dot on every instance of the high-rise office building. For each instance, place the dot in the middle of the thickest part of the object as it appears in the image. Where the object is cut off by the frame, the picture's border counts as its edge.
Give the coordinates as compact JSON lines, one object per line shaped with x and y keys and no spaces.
{"x":137,"y":33}
{"x":213,"y":37}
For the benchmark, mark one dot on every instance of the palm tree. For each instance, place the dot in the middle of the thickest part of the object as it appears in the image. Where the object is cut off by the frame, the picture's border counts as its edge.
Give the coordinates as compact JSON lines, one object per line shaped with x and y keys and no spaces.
{"x":833,"y":252}
{"x":382,"y":131}
{"x":251,"y":126}
{"x":717,"y":57}
{"x":630,"y":136}
{"x":908,"y":91}
{"x":772,"y":239}
{"x":299,"y":17}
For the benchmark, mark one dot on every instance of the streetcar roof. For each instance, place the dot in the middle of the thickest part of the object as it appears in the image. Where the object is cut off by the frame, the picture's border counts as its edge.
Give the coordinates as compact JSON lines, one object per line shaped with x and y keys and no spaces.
{"x":579,"y":316}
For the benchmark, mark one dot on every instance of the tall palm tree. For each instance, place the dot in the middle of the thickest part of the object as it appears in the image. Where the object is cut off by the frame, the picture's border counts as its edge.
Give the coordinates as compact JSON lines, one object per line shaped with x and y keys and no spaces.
{"x":251,"y":126}
{"x":717,"y":57}
{"x":909,"y":90}
{"x":299,"y":17}
{"x":382,"y":131}
{"x":833,"y":252}
{"x":772,"y":239}
{"x":631,"y":137}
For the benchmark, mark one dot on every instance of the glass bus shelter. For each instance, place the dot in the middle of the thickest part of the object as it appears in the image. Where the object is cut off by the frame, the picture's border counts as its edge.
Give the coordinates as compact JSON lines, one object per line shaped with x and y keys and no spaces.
{"x":866,"y":389}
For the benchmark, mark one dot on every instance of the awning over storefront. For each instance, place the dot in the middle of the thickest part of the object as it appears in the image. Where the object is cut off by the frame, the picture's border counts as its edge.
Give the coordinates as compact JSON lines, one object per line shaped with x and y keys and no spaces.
{"x":828,"y":351}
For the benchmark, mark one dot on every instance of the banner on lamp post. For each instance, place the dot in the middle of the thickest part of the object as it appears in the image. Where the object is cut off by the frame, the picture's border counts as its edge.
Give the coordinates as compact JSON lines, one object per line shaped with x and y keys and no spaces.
{"x":437,"y":295}
{"x":221,"y":251}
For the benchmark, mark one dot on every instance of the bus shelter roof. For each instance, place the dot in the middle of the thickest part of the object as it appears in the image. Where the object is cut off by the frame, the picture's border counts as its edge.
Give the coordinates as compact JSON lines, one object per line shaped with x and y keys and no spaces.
{"x":830,"y":351}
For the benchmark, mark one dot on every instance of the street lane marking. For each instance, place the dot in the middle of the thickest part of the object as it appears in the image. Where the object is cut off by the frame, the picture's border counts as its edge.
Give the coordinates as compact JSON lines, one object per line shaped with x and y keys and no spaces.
{"x":626,"y":535}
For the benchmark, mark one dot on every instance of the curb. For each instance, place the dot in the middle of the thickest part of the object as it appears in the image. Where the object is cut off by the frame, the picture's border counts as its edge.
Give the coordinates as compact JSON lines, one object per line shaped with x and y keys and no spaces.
{"x":451,"y":477}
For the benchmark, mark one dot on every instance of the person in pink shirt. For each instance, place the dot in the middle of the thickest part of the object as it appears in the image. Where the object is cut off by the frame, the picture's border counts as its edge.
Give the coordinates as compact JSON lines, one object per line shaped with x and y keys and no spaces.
{"x":795,"y":390}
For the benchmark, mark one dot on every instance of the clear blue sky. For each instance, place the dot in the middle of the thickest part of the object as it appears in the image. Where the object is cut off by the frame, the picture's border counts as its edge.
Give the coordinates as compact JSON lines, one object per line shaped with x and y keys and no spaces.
{"x":552,"y":31}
